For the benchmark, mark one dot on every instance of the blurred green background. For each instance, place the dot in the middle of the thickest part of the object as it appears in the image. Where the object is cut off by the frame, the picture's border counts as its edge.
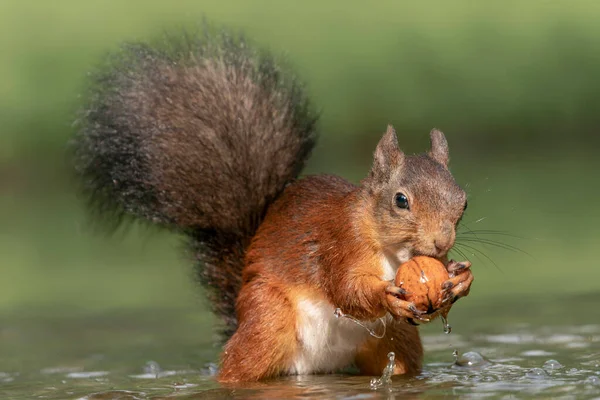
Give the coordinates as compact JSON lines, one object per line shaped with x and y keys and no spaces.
{"x":514,"y":85}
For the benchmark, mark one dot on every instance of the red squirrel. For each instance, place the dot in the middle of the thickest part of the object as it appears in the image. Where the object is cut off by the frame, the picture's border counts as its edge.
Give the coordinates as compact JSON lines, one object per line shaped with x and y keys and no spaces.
{"x":207,"y":136}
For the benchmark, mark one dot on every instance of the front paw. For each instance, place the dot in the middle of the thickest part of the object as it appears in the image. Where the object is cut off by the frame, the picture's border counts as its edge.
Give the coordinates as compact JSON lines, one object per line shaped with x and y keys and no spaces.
{"x":459,"y":283}
{"x":400,"y":308}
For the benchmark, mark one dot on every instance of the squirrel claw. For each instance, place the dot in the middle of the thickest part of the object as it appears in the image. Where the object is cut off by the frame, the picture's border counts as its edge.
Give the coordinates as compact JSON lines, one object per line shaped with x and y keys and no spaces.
{"x":401,"y":308}
{"x":457,"y":286}
{"x":423,"y":319}
{"x":449,"y":298}
{"x":416,"y":311}
{"x":456,"y":268}
{"x":418,"y":314}
{"x":395,"y":290}
{"x":447,"y":285}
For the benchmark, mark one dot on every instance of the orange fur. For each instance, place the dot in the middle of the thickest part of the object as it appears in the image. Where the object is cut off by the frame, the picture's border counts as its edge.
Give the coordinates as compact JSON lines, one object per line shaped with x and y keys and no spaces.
{"x":401,"y":338}
{"x":251,"y":354}
{"x":313,"y":257}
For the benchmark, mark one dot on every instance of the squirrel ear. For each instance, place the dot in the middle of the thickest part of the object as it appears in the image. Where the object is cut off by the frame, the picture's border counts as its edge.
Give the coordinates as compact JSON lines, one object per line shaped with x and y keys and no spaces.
{"x":439,"y":147}
{"x":388,"y":156}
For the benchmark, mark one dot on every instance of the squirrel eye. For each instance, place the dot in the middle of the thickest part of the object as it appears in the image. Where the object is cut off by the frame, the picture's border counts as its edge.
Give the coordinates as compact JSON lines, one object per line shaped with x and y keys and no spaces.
{"x":465,"y":207}
{"x":401,"y":201}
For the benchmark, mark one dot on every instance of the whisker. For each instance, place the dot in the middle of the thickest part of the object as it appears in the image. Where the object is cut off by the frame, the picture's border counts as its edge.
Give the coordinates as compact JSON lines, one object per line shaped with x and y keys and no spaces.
{"x":501,"y":245}
{"x":493,"y":243}
{"x":455,"y":248}
{"x":460,"y":253}
{"x":483,"y":232}
{"x":488,"y":230}
{"x":468,"y":229}
{"x":475,"y":254}
{"x":482,"y":253}
{"x":478,"y":221}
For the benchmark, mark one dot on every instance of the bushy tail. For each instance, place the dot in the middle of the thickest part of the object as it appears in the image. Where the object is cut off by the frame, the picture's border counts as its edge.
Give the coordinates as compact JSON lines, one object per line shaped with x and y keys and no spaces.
{"x":198,"y":135}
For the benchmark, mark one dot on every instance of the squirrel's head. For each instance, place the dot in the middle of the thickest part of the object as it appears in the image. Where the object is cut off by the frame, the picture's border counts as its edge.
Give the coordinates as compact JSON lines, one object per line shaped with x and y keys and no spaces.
{"x":416,"y":203}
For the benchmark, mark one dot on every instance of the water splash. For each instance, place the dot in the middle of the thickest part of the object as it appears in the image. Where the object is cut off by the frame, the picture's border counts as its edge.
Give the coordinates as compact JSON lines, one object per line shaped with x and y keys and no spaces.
{"x":386,"y":376}
{"x":152,"y":368}
{"x":210,"y":369}
{"x":339,"y":314}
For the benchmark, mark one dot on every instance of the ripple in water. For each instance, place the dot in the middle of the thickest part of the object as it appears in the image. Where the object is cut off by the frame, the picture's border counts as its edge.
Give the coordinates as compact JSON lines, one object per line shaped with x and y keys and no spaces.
{"x":513,"y":363}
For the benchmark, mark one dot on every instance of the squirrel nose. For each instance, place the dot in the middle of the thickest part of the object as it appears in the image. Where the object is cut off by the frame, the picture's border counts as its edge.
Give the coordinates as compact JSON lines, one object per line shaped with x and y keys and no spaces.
{"x":443,"y":239}
{"x":442,"y":244}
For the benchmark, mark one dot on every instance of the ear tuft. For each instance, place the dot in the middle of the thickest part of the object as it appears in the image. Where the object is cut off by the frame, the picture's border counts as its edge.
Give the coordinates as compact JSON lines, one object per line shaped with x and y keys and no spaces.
{"x":388,"y":156}
{"x":439,"y":147}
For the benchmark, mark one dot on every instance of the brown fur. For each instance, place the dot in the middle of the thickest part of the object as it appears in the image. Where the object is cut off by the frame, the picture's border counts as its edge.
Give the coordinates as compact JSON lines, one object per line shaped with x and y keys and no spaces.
{"x":403,"y":340}
{"x":199,"y":135}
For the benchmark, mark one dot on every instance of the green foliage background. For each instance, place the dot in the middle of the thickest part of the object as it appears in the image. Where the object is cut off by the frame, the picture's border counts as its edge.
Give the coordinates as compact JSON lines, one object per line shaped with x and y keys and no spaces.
{"x":515,"y":85}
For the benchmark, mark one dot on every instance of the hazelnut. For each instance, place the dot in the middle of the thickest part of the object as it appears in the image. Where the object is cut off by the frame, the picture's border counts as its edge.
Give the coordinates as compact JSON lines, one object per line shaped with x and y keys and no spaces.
{"x":422,"y":278}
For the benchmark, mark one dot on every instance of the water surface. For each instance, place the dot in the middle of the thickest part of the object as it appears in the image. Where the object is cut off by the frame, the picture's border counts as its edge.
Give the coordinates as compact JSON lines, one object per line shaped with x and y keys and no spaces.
{"x":519,"y":348}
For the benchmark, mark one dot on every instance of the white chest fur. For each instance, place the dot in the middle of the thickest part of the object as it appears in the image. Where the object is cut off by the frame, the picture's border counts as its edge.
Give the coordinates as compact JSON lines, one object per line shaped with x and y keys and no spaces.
{"x":327,"y":343}
{"x":391,"y":260}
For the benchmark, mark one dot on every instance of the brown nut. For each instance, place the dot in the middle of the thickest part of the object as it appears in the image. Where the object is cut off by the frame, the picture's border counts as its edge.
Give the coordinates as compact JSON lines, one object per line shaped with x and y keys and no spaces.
{"x":422,"y":278}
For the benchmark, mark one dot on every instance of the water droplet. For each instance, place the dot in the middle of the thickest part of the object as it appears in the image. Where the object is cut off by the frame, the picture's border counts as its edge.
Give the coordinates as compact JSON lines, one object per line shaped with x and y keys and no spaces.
{"x":552,"y":365}
{"x":386,"y":376}
{"x":152,"y":368}
{"x":471,"y":359}
{"x":455,"y":355}
{"x":339,"y":314}
{"x":536,"y":373}
{"x":447,"y":327}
